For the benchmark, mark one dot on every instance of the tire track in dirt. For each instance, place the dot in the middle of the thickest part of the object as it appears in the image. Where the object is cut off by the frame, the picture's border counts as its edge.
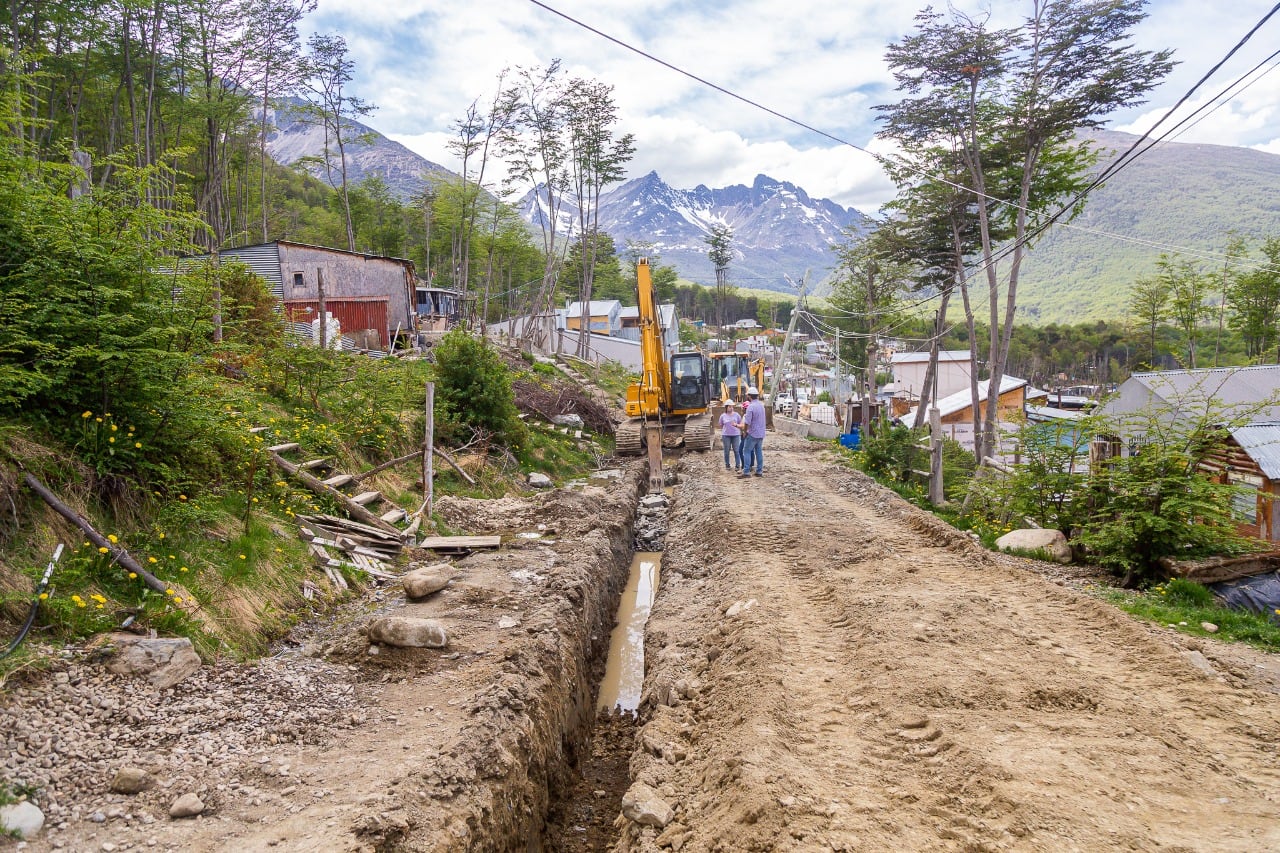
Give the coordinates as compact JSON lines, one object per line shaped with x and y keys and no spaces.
{"x":893,"y":686}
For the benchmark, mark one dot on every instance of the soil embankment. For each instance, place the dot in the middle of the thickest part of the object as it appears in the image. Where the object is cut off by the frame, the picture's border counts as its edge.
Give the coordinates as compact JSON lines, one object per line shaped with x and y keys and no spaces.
{"x":331,"y":746}
{"x":832,"y":669}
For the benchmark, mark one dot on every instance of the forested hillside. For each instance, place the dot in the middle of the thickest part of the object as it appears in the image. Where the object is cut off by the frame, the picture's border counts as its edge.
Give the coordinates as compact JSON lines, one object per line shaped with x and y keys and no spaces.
{"x":1175,"y":196}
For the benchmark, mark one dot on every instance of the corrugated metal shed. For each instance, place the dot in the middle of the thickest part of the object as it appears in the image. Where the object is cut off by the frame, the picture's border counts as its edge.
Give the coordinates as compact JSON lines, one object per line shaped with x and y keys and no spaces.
{"x":263,"y":259}
{"x":1262,"y":442}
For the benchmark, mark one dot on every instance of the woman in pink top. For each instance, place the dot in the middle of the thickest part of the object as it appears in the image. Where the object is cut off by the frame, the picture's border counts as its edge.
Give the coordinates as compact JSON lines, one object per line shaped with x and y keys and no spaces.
{"x":731,"y":435}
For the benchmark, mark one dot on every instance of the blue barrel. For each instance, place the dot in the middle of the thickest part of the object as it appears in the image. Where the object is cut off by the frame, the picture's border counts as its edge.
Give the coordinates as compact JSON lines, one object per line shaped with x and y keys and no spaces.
{"x":851,"y":439}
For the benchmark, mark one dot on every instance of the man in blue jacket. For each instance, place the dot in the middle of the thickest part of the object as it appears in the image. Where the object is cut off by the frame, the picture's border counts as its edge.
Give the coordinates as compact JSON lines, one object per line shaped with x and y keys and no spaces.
{"x":753,"y":434}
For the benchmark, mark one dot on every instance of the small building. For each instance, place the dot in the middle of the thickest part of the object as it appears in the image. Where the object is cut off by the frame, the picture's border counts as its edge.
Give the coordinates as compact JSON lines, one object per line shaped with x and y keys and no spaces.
{"x":371,"y":296}
{"x":603,"y":316}
{"x":956,"y":409}
{"x":437,"y":309}
{"x":909,"y":370}
{"x":629,"y":320}
{"x":1230,"y":392}
{"x":1249,"y":459}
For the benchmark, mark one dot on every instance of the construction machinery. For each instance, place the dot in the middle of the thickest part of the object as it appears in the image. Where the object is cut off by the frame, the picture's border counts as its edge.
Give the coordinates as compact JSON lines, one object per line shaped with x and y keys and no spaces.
{"x":669,"y":406}
{"x":732,"y":373}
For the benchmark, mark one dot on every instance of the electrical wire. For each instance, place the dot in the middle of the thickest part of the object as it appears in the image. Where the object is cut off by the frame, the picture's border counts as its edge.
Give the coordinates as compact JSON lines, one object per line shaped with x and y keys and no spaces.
{"x":1036,"y":230}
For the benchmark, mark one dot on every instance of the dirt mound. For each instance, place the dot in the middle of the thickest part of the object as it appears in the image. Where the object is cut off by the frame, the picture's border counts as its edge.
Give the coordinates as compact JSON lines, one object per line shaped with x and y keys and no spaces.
{"x":833,"y":669}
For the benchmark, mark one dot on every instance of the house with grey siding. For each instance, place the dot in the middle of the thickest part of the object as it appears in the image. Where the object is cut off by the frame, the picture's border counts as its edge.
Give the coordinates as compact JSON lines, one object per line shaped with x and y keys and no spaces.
{"x":373,"y":297}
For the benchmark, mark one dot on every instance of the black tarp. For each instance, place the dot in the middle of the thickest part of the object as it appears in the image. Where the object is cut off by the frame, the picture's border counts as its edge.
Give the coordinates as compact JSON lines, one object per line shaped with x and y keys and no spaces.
{"x":1256,"y":593}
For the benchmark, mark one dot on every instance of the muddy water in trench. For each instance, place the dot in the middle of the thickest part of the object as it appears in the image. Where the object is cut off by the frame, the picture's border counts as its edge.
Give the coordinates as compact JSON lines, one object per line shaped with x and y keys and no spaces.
{"x":624,"y":671}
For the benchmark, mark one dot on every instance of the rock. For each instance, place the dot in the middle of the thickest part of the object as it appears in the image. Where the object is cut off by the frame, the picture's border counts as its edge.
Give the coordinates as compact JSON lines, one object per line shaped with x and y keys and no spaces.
{"x":24,"y":819}
{"x":408,"y":632}
{"x":131,"y":780}
{"x":1037,"y":539}
{"x":188,"y":805}
{"x":1200,"y":662}
{"x":740,"y":607}
{"x":539,"y":481}
{"x":1210,"y":627}
{"x":421,"y":582}
{"x":653,"y":501}
{"x":571,"y":421}
{"x":641,"y":804}
{"x":164,"y":662}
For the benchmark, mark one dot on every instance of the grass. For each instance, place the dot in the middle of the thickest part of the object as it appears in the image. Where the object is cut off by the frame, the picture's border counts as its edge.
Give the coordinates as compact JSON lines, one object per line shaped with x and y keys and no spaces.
{"x":1182,"y":605}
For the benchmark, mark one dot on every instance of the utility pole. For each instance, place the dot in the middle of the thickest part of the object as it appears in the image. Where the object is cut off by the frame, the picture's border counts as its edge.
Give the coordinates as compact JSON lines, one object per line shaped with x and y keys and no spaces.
{"x":786,"y":342}
{"x":324,"y":324}
{"x":937,"y":495}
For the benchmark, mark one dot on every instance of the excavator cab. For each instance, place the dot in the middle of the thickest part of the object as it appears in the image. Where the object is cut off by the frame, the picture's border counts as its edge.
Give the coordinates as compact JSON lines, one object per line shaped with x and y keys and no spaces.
{"x":690,"y":382}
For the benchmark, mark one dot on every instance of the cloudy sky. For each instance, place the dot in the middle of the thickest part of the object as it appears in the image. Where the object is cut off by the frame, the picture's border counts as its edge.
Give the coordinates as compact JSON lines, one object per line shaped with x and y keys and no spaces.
{"x":819,"y":62}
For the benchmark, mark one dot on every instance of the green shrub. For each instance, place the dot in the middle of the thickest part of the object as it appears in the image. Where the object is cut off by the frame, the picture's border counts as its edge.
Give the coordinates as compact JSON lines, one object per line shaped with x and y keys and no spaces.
{"x":473,"y":388}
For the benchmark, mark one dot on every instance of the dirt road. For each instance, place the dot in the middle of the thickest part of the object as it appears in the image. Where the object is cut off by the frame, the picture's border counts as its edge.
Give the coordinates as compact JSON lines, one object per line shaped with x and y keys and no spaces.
{"x":828,"y":668}
{"x":834,"y":670}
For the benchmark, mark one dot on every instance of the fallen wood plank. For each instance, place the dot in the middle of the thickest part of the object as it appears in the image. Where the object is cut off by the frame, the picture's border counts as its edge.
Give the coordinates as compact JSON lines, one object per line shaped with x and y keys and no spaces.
{"x":375,"y":572}
{"x":354,"y":509}
{"x":391,"y":463}
{"x":469,"y":542}
{"x":256,"y":430}
{"x":338,"y":480}
{"x":362,"y":536}
{"x":348,"y":524}
{"x":314,"y":463}
{"x":284,"y":448}
{"x":393,"y":516}
{"x":365,"y":498}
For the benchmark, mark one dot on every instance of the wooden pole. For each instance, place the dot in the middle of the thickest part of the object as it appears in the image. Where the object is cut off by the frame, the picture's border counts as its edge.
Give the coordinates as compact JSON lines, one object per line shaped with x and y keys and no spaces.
{"x":427,"y":447}
{"x":324,"y":323}
{"x":355,"y":510}
{"x":120,"y":555}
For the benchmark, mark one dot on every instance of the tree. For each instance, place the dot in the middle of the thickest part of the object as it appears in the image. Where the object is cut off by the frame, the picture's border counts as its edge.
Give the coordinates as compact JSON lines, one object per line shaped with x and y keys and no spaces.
{"x":329,"y":70}
{"x":596,"y":160}
{"x":1188,"y":290}
{"x":1149,"y":304}
{"x":473,"y":387}
{"x":720,"y":241}
{"x":1010,"y":101}
{"x":1254,"y":297}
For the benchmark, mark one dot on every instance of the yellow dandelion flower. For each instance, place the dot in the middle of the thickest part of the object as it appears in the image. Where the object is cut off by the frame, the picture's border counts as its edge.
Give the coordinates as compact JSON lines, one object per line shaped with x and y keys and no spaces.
{"x":182,"y":497}
{"x":177,"y":599}
{"x":152,"y":560}
{"x":98,"y":598}
{"x":114,"y":428}
{"x":138,"y":444}
{"x":81,"y":604}
{"x":44,"y":596}
{"x":242,"y":556}
{"x":87,"y":415}
{"x":86,"y":544}
{"x":160,"y":536}
{"x":111,"y":440}
{"x":102,"y":550}
{"x":255,"y":500}
{"x":168,"y":592}
{"x":97,"y":420}
{"x":183,"y":569}
{"x":132,"y":575}
{"x":111,"y":537}
{"x":100,"y":606}
{"x":171,"y":557}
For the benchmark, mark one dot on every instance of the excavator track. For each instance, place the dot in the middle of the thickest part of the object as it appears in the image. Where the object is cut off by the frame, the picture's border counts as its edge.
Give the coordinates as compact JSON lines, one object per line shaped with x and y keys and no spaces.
{"x":628,"y":437}
{"x":697,"y":432}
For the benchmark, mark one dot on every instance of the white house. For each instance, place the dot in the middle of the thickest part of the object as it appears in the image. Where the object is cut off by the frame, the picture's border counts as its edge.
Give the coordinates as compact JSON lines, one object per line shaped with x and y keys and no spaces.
{"x":909,"y":369}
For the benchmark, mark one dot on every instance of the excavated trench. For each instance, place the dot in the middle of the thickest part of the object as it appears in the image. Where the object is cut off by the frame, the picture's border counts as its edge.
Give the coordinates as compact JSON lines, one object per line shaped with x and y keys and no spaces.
{"x":582,"y":817}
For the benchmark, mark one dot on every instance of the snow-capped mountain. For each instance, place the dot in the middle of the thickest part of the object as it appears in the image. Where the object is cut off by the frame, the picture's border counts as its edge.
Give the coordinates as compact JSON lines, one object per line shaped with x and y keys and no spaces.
{"x":778,"y":230}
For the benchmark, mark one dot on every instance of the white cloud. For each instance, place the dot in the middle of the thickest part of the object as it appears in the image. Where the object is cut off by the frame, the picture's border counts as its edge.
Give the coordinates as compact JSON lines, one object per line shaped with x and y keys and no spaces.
{"x":819,"y":62}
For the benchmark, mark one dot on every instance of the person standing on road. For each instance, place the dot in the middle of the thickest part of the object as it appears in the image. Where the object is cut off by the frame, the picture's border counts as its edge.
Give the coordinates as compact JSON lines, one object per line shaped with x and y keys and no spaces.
{"x":731,"y":436}
{"x":753,"y":434}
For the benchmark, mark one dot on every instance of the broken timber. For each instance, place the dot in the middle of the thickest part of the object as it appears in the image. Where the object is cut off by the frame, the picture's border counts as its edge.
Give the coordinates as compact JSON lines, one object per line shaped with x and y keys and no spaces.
{"x":353,"y":509}
{"x":458,"y":544}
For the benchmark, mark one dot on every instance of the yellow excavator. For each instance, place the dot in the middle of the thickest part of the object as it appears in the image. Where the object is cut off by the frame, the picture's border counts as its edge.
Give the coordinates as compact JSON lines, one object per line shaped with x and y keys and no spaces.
{"x":732,"y":373}
{"x":669,"y":406}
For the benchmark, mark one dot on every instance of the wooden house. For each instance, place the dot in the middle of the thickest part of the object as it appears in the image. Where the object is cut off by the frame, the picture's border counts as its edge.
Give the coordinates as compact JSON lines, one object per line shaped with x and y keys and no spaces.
{"x":1249,"y":458}
{"x":603,"y":316}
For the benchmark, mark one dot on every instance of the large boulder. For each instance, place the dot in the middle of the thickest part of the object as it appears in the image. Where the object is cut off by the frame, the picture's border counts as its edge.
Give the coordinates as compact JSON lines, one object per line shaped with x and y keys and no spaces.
{"x":422,"y":581}
{"x":23,"y":819}
{"x":164,"y":661}
{"x":408,"y":632}
{"x":641,"y":804}
{"x":1051,"y":542}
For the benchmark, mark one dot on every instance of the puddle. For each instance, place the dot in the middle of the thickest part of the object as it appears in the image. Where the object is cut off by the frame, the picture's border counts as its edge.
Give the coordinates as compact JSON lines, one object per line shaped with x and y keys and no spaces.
{"x":624,"y":672}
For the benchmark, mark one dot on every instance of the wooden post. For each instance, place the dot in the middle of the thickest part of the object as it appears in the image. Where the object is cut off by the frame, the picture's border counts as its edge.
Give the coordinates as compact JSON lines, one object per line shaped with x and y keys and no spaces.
{"x":324,"y":323}
{"x":121,"y":556}
{"x":937,"y":495}
{"x":427,"y":447}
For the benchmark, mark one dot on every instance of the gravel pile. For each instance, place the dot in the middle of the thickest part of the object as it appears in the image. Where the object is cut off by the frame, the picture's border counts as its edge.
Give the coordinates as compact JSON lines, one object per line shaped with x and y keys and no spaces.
{"x":70,"y":735}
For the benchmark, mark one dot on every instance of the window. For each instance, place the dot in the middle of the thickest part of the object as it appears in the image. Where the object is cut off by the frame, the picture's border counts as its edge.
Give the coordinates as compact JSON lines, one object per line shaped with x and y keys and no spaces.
{"x":297,"y":280}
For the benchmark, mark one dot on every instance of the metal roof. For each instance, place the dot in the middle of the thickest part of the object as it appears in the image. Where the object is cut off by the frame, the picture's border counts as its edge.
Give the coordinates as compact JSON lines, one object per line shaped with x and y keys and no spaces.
{"x":1230,"y":388}
{"x":963,"y":399}
{"x":1262,"y":442}
{"x":943,"y":355}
